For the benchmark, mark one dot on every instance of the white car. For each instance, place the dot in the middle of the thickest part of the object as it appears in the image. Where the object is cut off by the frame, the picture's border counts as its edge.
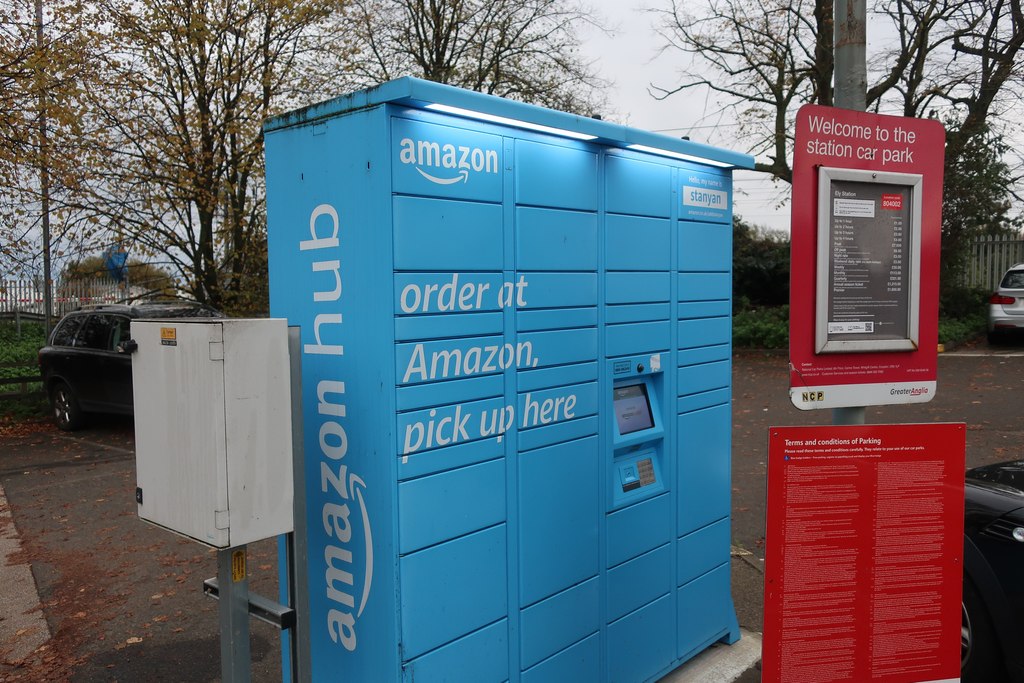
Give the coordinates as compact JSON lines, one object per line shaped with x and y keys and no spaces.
{"x":1006,"y":305}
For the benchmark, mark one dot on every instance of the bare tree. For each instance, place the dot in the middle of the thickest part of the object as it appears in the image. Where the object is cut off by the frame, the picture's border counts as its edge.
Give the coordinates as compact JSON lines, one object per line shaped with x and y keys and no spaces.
{"x":522,"y":49}
{"x":173,"y":124}
{"x":186,"y":94}
{"x":764,"y":59}
{"x":957,"y":61}
{"x":987,"y":55}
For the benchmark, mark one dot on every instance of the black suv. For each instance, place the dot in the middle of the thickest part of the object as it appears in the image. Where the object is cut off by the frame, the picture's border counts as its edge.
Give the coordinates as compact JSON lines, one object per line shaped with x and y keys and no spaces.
{"x":86,"y":366}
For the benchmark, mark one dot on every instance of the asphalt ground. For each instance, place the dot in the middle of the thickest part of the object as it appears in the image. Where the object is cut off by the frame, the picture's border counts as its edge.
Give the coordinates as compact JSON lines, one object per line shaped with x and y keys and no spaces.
{"x":119,"y":600}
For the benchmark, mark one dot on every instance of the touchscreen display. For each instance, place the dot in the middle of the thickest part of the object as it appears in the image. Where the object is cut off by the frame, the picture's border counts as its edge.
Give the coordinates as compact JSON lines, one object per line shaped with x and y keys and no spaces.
{"x":632,"y":408}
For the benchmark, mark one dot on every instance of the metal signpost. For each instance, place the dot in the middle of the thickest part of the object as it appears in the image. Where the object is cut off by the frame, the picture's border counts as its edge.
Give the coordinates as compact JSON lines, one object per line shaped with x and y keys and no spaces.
{"x":864,"y":528}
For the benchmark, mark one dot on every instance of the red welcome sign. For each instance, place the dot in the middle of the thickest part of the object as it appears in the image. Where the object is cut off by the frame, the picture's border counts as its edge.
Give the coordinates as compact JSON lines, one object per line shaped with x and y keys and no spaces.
{"x":866,"y":226}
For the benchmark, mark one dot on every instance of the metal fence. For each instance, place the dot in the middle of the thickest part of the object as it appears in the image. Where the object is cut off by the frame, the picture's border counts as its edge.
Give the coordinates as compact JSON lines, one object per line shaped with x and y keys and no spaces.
{"x":989,"y":258}
{"x":27,"y":296}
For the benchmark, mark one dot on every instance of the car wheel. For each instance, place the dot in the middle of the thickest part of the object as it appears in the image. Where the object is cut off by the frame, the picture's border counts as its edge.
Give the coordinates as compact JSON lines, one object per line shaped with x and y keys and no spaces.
{"x":979,"y":652}
{"x":66,"y":412}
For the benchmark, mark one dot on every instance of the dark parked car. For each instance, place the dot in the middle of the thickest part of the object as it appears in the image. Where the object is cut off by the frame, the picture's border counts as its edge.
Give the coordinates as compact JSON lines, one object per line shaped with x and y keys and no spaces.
{"x":85,"y":365}
{"x":992,"y":631}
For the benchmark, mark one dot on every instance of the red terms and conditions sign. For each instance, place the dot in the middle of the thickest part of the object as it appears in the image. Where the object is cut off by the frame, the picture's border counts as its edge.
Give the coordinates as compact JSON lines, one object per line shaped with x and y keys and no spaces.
{"x":864,"y":549}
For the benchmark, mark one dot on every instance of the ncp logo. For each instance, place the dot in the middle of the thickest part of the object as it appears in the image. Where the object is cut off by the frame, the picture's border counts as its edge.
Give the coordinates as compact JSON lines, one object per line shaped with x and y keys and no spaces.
{"x":812,"y":396}
{"x":446,"y":164}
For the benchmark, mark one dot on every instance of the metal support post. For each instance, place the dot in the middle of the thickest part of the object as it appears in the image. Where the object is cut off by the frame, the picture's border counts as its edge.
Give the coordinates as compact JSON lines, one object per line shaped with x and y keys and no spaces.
{"x":850,"y":19}
{"x":233,"y":580}
{"x":851,"y":83}
{"x":298,"y":583}
{"x":849,"y":416}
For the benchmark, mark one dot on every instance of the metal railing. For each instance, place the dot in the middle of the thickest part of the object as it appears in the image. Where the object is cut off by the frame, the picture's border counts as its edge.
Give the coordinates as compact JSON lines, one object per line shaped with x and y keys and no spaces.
{"x":989,"y":258}
{"x":27,"y":296}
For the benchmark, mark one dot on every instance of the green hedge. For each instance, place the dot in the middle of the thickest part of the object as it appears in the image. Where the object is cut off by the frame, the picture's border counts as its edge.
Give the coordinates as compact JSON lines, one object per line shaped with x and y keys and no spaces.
{"x":761,"y":328}
{"x":768,"y":328}
{"x":20,"y":348}
{"x":954,"y":331}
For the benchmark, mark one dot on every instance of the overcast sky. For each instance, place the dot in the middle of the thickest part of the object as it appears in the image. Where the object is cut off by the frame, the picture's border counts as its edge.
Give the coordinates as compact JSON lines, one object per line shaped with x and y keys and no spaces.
{"x":630,"y":58}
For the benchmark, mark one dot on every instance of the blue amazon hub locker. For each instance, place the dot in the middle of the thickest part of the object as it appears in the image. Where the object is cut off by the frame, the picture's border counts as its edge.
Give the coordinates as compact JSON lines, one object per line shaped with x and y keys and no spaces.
{"x":515,"y":383}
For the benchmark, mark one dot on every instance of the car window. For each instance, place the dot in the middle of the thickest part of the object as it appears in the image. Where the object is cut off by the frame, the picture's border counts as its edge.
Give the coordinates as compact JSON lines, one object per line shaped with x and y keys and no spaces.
{"x":64,"y":335}
{"x":120,"y":331}
{"x":1013,"y":280}
{"x":95,"y":334}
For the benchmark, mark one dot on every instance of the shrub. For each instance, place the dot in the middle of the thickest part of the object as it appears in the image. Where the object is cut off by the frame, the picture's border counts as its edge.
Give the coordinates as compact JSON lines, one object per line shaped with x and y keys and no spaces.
{"x":963,"y":303}
{"x":763,"y":328}
{"x":954,"y":331}
{"x":963,"y":314}
{"x":20,"y":347}
{"x":760,"y":266}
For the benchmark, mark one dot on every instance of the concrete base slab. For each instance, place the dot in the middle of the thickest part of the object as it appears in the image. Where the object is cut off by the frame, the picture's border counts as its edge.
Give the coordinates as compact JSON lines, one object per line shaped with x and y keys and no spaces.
{"x":720,"y":663}
{"x":23,"y":627}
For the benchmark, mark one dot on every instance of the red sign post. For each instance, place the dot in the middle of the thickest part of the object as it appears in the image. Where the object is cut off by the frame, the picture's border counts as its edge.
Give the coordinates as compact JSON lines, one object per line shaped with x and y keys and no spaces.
{"x":866,"y":226}
{"x":864,"y":554}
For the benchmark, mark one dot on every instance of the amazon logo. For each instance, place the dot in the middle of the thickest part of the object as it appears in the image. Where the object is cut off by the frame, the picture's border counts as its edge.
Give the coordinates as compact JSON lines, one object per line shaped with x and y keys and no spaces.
{"x":446,"y":164}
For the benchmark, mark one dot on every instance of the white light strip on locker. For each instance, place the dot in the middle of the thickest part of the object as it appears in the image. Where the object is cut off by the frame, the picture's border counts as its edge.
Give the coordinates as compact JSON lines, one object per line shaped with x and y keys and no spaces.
{"x":509,"y":122}
{"x":680,"y":155}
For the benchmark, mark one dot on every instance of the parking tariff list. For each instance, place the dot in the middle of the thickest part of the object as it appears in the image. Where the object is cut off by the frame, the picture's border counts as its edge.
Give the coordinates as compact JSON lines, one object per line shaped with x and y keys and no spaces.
{"x":869,"y":276}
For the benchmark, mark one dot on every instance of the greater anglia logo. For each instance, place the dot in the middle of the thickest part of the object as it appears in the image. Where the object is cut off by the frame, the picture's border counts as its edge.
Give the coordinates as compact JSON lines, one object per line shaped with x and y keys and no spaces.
{"x":445,"y":164}
{"x":914,"y":391}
